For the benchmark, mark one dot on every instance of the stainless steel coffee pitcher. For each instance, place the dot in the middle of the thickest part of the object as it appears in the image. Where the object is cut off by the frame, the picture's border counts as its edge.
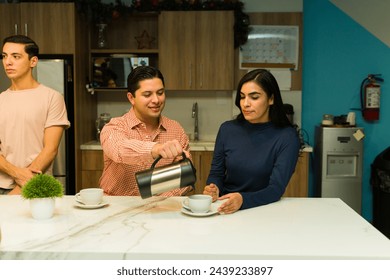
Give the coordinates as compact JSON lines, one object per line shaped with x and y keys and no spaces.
{"x":165,"y":178}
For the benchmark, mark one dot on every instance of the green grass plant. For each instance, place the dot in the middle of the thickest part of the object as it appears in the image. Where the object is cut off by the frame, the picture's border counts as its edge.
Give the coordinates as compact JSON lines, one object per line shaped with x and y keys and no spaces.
{"x":42,"y":186}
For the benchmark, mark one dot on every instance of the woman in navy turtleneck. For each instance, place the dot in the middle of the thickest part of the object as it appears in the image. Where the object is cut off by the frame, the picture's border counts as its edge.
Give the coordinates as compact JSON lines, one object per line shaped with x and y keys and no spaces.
{"x":256,"y":153}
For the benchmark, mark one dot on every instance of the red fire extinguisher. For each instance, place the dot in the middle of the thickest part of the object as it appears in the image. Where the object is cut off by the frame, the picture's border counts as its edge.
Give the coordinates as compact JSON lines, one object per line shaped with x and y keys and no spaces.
{"x":370,"y":97}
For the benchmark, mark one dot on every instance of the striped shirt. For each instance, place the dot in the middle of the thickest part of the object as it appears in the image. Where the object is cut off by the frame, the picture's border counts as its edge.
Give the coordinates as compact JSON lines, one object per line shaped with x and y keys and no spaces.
{"x":127,"y":149}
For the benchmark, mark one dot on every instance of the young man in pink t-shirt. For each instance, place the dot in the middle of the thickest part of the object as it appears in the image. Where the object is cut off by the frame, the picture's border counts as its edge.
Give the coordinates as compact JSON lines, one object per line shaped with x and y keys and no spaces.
{"x":32,"y":118}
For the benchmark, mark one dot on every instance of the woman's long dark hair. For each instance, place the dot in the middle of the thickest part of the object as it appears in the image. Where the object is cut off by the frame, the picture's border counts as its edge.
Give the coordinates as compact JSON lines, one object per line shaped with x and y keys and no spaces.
{"x":264,"y":79}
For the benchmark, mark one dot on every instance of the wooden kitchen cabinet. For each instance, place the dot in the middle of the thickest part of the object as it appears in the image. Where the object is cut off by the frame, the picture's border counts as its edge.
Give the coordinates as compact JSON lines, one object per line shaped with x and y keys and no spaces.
{"x":196,"y":50}
{"x":10,"y":15}
{"x":131,"y":39}
{"x":137,"y":32}
{"x":299,"y":182}
{"x":202,"y":163}
{"x":92,"y":168}
{"x":50,"y":25}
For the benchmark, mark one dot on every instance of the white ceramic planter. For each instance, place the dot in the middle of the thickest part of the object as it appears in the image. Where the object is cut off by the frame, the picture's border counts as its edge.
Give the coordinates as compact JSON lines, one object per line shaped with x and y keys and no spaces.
{"x":42,"y":208}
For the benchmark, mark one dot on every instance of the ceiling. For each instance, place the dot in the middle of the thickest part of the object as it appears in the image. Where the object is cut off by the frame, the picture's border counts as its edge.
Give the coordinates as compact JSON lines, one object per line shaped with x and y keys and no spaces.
{"x":373,"y":15}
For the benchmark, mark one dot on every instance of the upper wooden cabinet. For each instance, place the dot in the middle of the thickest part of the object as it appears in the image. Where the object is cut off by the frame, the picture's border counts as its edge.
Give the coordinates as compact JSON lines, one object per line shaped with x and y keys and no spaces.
{"x":196,"y":50}
{"x":135,"y":33}
{"x":130,"y":41}
{"x":10,"y":15}
{"x":50,"y":25}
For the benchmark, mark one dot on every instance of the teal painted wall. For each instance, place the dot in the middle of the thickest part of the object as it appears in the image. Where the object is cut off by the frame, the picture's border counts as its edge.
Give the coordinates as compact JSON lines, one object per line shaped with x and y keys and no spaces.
{"x":338,"y":55}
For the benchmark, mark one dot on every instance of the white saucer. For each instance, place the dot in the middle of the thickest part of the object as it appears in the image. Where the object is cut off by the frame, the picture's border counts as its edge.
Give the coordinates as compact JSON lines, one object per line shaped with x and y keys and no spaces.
{"x":190,"y":213}
{"x":186,"y":210}
{"x":185,"y":204}
{"x":82,"y":205}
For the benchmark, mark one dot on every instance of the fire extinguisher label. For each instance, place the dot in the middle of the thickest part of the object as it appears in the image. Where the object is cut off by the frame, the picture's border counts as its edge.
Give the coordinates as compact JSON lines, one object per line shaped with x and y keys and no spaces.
{"x":373,"y":97}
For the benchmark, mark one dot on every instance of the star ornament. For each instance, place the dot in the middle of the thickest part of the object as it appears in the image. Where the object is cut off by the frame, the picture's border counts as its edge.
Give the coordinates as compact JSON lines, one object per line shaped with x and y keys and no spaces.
{"x":144,"y":40}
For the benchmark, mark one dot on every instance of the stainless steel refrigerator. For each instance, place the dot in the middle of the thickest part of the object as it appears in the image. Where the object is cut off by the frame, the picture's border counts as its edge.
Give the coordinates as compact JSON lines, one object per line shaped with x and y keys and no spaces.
{"x":56,"y":72}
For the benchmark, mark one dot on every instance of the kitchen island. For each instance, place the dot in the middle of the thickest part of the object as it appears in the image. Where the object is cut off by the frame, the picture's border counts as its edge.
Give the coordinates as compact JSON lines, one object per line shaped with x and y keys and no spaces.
{"x":156,"y":228}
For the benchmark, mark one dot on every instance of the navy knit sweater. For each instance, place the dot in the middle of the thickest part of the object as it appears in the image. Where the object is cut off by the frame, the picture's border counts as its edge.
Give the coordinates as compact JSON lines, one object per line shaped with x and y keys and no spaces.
{"x":256,"y":160}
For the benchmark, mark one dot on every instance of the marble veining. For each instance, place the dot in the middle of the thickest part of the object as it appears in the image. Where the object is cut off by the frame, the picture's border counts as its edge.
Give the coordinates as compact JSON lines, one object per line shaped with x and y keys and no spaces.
{"x":155,"y":228}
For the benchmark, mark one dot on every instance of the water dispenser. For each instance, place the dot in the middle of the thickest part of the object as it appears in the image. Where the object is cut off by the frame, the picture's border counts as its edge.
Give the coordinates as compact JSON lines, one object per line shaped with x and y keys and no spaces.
{"x":338,"y":155}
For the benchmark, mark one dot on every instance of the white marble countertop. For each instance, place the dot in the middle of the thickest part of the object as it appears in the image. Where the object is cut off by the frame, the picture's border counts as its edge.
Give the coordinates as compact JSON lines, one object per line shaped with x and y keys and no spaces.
{"x":132,"y":228}
{"x":194,"y":146}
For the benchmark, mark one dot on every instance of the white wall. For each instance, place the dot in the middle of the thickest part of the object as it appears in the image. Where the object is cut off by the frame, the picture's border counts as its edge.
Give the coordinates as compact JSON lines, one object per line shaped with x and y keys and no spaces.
{"x":372,"y":15}
{"x":272,"y":5}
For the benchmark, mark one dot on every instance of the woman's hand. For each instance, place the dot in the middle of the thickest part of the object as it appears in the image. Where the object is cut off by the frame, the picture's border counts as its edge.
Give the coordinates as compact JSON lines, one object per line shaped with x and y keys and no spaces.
{"x":233,"y":203}
{"x":212,"y":190}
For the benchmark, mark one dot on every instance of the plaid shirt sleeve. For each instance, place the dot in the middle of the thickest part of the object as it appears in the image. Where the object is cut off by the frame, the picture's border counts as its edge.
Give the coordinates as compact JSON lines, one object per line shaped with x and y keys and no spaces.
{"x":127,"y":150}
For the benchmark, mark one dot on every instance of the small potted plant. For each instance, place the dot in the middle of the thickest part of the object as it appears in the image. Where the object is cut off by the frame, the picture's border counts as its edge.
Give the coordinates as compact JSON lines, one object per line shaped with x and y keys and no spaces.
{"x":42,"y":190}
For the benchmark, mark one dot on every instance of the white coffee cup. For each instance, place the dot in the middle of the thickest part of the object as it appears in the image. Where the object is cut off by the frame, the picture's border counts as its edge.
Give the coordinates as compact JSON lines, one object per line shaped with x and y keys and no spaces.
{"x":90,"y":196}
{"x":199,"y":203}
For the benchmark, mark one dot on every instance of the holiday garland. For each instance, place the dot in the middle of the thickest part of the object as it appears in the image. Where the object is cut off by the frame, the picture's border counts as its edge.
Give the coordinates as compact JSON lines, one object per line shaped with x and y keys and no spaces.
{"x":98,"y":12}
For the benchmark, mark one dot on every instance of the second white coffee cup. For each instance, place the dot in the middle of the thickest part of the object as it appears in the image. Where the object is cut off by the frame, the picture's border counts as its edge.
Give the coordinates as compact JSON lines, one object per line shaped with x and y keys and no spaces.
{"x":90,"y":196}
{"x":199,"y":203}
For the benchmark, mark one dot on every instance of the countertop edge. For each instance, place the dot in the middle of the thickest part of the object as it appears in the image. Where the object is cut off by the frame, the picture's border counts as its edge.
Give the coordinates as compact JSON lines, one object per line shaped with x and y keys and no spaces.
{"x":194,"y":146}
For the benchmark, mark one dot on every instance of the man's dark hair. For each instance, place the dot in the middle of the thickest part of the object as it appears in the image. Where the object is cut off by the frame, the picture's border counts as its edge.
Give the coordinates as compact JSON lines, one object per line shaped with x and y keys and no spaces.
{"x":30,"y":47}
{"x":139,"y":74}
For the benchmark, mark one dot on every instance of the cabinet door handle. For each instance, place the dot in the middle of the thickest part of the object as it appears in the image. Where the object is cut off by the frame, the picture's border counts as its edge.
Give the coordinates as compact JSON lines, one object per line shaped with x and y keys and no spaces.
{"x":26,"y":29}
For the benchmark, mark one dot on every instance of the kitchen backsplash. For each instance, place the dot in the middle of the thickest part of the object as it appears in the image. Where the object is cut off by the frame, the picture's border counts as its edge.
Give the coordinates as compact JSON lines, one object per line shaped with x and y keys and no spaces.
{"x":214,"y":107}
